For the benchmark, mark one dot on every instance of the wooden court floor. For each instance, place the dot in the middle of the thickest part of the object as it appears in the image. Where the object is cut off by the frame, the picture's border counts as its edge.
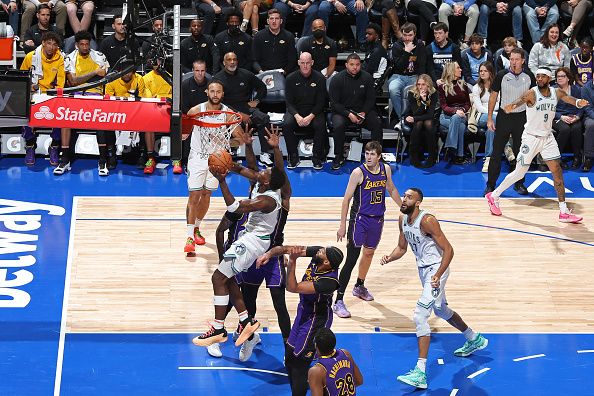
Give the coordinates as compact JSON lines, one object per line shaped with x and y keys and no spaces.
{"x":522,"y":272}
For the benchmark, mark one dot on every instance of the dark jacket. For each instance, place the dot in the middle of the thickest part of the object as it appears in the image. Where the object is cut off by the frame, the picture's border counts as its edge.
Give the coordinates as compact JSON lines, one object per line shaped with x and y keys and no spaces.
{"x":34,"y":33}
{"x":240,"y":44}
{"x":376,"y":60}
{"x":240,"y":87}
{"x":274,"y":51}
{"x":193,"y":93}
{"x":305,"y":95}
{"x":203,"y":48}
{"x":409,"y":63}
{"x":421,"y":110}
{"x":352,"y":93}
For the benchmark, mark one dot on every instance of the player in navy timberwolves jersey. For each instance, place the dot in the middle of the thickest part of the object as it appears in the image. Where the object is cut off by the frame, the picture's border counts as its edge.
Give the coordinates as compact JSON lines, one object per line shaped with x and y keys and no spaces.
{"x":335,"y":372}
{"x":315,"y":305}
{"x":368,"y":186}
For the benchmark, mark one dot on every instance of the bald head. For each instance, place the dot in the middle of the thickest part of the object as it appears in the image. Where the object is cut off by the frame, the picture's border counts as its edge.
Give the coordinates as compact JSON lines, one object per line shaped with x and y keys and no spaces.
{"x":305,"y":63}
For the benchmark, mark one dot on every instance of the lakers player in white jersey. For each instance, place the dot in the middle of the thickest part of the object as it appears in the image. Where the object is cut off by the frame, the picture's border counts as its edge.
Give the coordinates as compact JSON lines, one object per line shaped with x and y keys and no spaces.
{"x":541,"y":102}
{"x":263,"y":208}
{"x":433,"y":253}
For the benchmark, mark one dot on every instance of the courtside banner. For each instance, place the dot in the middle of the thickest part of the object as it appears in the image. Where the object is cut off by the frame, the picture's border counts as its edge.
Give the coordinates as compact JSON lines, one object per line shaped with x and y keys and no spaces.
{"x":100,"y":113}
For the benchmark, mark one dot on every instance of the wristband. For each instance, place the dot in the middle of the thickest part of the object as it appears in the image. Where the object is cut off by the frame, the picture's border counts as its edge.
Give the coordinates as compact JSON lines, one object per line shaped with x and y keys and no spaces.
{"x":233,"y":207}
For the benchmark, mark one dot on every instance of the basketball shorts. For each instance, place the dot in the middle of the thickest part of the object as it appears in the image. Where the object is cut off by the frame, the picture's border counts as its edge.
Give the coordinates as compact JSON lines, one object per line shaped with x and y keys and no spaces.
{"x":365,"y":231}
{"x":532,"y":145}
{"x":199,"y":177}
{"x":432,"y":297}
{"x":242,"y":254}
{"x":273,"y":273}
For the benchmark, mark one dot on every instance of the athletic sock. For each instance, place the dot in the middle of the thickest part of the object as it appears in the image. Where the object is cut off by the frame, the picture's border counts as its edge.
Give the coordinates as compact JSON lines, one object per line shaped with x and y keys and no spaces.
{"x":339,"y":296}
{"x":243,"y":315}
{"x":190,"y":230}
{"x":360,"y":282}
{"x":218,"y":324}
{"x":197,"y":223}
{"x":469,"y":334}
{"x":563,"y":207}
{"x":422,"y":364}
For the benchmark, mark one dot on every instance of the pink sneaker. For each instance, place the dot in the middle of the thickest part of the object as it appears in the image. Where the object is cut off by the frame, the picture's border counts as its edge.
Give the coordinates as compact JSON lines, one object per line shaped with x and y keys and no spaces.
{"x":494,"y":205}
{"x":569,"y":218}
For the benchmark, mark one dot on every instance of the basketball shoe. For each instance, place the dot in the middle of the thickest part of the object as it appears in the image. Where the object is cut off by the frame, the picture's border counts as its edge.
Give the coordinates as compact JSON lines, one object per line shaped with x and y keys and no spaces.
{"x":414,"y":377}
{"x":30,"y":155}
{"x":248,"y":348}
{"x":470,"y":347}
{"x":62,"y":168}
{"x":341,"y":310}
{"x":190,"y":245}
{"x":198,"y":238}
{"x":210,"y":337}
{"x":214,"y":350}
{"x":149,"y":167}
{"x":569,"y":218}
{"x":362,"y":292}
{"x":103,"y":170}
{"x":54,"y":155}
{"x":494,"y":205}
{"x":177,"y":168}
{"x":247,"y":328}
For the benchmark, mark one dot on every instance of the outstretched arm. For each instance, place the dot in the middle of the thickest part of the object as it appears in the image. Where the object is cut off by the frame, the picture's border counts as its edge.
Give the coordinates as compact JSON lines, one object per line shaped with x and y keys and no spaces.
{"x":275,"y":252}
{"x":579,"y":103}
{"x":399,"y":250}
{"x":528,"y":97}
{"x":262,"y":203}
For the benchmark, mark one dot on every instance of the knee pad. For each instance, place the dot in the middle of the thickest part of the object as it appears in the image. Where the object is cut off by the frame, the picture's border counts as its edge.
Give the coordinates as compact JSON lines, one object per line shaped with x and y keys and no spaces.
{"x":421,"y":318}
{"x":443,"y":311}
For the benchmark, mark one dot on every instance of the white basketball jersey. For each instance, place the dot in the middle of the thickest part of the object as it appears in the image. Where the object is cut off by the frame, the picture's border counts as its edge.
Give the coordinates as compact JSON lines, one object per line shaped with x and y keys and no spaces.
{"x":260,"y":223}
{"x":196,"y":142}
{"x":423,"y":246}
{"x":539,"y":118}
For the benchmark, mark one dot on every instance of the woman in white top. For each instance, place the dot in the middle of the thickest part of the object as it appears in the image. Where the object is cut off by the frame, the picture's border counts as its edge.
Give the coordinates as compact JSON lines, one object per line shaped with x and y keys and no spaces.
{"x":480,"y":100}
{"x":549,"y":52}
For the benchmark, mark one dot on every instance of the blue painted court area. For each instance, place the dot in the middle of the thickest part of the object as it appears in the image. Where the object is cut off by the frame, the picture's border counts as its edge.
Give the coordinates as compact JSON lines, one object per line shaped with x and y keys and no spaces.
{"x":168,"y":364}
{"x":35,"y":219}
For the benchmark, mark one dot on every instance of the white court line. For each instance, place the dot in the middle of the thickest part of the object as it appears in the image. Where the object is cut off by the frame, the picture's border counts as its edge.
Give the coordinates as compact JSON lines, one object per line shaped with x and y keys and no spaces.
{"x":471,"y":376}
{"x":586,"y":351}
{"x":439,"y":361}
{"x":454,"y":392}
{"x":60,"y":361}
{"x":233,"y":368}
{"x":529,"y":357}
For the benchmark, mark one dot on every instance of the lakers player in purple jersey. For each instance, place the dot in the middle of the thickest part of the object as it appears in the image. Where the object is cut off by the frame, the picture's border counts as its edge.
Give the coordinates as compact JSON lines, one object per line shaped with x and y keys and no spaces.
{"x":582,"y":63}
{"x":335,"y":372}
{"x":315,"y":305}
{"x":367,"y":186}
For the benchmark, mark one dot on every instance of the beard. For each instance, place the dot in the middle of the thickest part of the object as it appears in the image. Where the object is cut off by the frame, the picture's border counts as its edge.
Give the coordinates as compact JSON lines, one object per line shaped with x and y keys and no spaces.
{"x":317,"y":261}
{"x":407,"y":209}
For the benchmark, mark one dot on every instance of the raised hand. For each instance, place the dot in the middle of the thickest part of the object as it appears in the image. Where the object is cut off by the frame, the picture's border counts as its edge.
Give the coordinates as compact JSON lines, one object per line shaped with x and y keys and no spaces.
{"x":273,"y":135}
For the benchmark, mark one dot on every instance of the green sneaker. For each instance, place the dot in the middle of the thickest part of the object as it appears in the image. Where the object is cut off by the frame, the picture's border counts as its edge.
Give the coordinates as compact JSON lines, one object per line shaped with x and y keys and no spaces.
{"x":470,"y":347}
{"x":414,"y":377}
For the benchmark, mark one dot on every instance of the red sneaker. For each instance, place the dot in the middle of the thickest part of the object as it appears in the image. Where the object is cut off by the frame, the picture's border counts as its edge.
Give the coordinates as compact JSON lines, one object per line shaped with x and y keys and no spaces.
{"x":493,"y":205}
{"x":190,"y":245}
{"x":149,"y":167}
{"x":177,"y":168}
{"x":198,"y":238}
{"x":569,"y":218}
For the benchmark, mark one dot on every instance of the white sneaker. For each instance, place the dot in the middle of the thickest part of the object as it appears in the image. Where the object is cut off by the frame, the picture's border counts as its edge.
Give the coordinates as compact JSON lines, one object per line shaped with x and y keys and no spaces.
{"x":62,"y":168}
{"x":214,"y":350}
{"x":248,"y":347}
{"x":509,"y":153}
{"x":265,"y":159}
{"x":486,"y":165}
{"x":103,"y":171}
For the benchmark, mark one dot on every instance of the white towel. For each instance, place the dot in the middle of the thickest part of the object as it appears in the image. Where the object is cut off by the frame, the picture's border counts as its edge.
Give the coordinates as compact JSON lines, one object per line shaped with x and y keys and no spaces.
{"x":96,"y":56}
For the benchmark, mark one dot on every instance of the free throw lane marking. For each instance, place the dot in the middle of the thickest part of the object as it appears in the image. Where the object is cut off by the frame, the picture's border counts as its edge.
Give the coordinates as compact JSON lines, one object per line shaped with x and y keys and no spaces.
{"x":529,"y":357}
{"x":471,"y":376}
{"x":234,"y":368}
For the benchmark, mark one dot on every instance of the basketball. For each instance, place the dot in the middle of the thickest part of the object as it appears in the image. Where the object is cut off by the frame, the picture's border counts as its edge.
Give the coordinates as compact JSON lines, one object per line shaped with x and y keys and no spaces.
{"x":220,"y":161}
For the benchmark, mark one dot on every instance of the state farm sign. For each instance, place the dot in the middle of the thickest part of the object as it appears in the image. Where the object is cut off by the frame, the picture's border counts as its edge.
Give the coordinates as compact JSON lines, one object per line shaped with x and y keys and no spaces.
{"x":101,"y":114}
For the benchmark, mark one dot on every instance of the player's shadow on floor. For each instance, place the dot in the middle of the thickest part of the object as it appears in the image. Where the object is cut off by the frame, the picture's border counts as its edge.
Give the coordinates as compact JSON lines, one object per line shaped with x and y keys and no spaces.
{"x":388,"y":315}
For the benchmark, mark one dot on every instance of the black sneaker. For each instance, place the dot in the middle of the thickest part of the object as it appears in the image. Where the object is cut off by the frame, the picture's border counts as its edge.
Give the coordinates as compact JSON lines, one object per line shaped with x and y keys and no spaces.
{"x":112,"y":160}
{"x":317,"y":164}
{"x":587,"y":165}
{"x":212,"y":336}
{"x":246,"y":329}
{"x":141,"y":161}
{"x":521,"y":188}
{"x":337,"y":163}
{"x":293,"y":161}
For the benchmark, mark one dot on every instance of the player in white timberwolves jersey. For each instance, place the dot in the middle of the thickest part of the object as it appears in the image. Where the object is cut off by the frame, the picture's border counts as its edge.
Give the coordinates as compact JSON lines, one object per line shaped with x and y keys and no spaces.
{"x":433,"y":253}
{"x":538,"y":138}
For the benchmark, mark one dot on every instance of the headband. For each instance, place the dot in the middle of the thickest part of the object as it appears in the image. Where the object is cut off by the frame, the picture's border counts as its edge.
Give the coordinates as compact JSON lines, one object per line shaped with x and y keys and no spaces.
{"x":546,"y":72}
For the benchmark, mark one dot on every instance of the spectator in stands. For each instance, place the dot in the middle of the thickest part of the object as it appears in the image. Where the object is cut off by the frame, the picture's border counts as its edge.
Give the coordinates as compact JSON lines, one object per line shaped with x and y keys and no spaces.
{"x":156,"y":87}
{"x":422,"y":100}
{"x":130,"y":84}
{"x":83,"y":65}
{"x":578,"y":9}
{"x":236,"y":41}
{"x":243,"y":92}
{"x":147,"y":45}
{"x":389,"y":20}
{"x":32,"y":37}
{"x":114,"y":47}
{"x":506,"y":8}
{"x":306,"y":98}
{"x":481,"y":93}
{"x":321,"y":47}
{"x":588,"y":94}
{"x":473,"y":58}
{"x":251,"y":13}
{"x":457,"y":9}
{"x":310,"y":8}
{"x":210,"y":9}
{"x":534,"y":9}
{"x":46,"y":64}
{"x":30,"y":8}
{"x":87,"y":7}
{"x":502,"y":61}
{"x":549,"y":52}
{"x":409,"y":59}
{"x":376,"y":57}
{"x":441,"y":51}
{"x":426,"y":9}
{"x":582,"y":64}
{"x":353,"y":7}
{"x":12,"y":9}
{"x":199,"y":46}
{"x":274,"y":47}
{"x":352,"y":99}
{"x":454,"y":98}
{"x":568,"y":124}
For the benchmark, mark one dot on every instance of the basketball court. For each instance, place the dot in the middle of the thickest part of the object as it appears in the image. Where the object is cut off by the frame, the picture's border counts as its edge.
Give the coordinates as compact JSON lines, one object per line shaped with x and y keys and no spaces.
{"x":114,"y":303}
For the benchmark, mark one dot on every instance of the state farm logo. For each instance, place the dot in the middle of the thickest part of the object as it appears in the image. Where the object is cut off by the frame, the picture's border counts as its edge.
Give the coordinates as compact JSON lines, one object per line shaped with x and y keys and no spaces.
{"x":44,"y":113}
